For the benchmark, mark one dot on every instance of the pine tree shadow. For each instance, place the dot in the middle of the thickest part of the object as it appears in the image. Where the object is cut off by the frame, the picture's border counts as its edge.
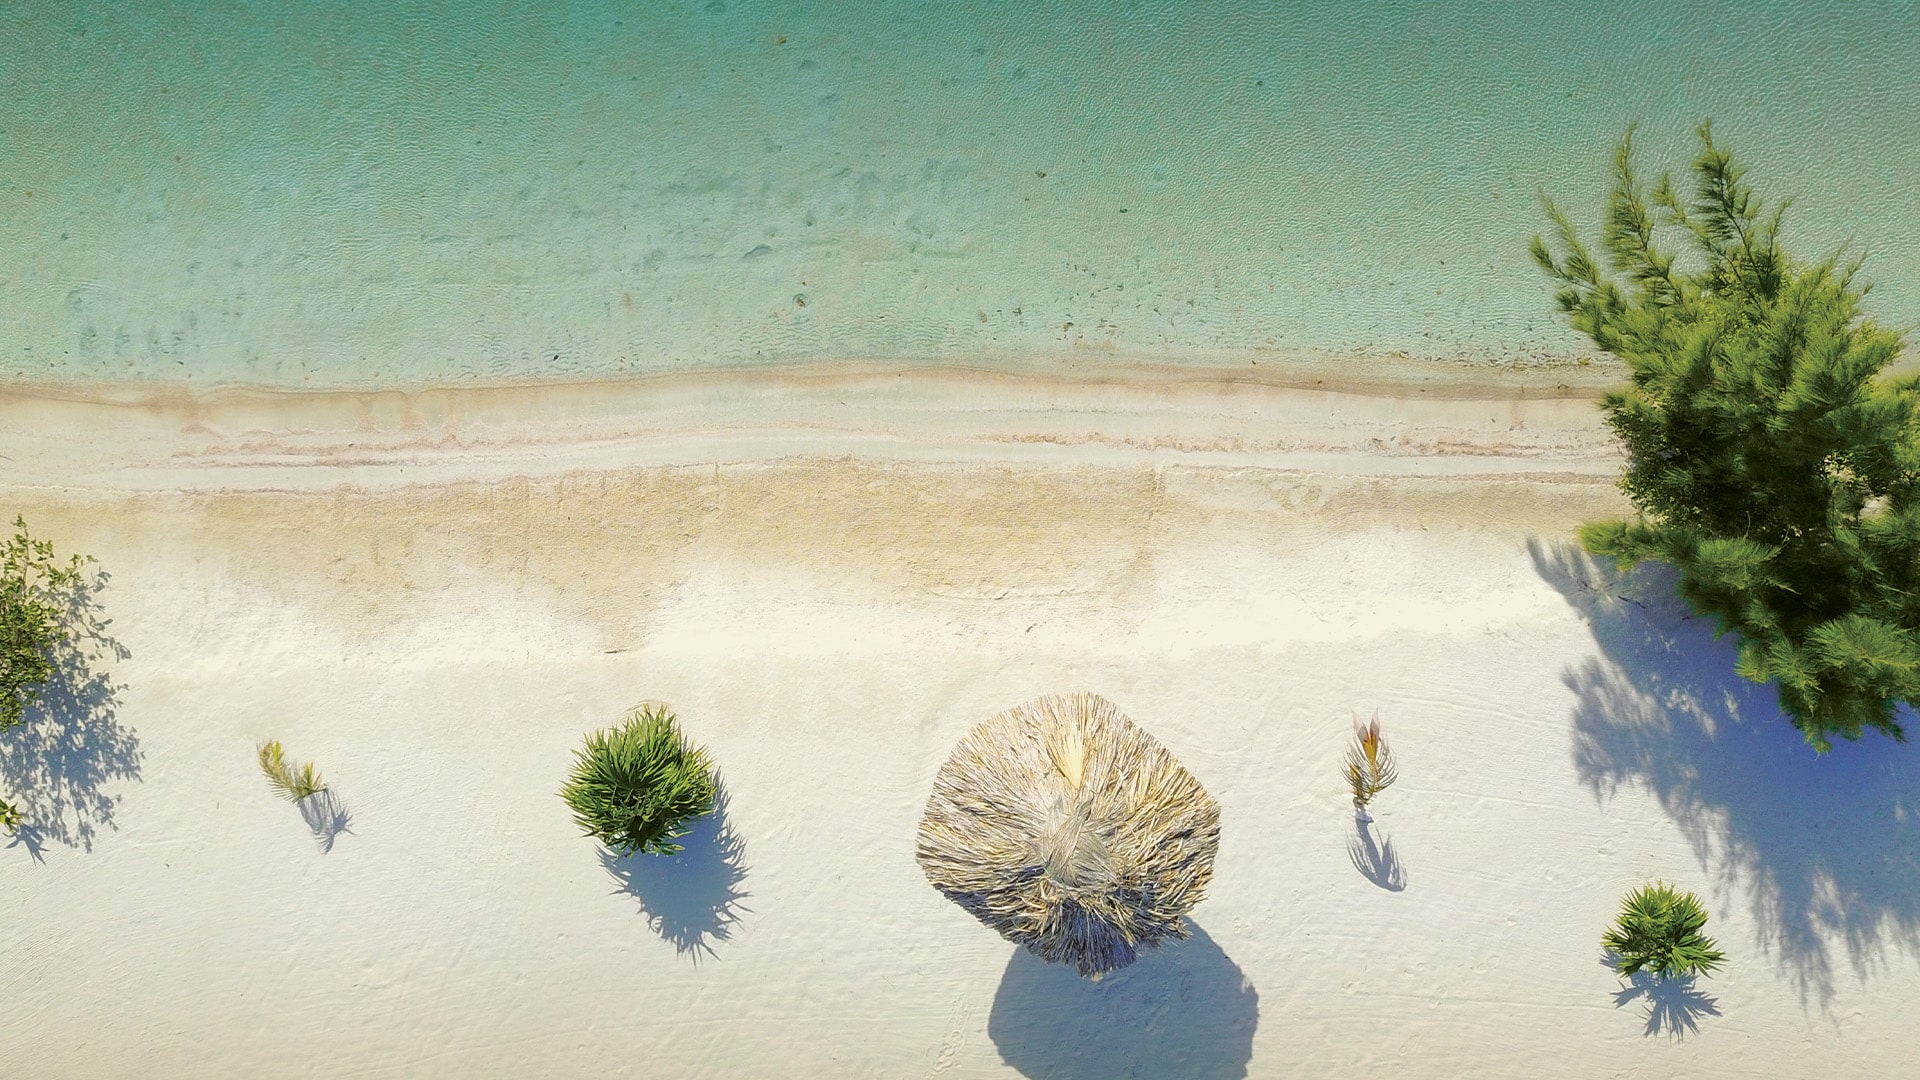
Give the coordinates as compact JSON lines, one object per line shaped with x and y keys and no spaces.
{"x":1825,"y":850}
{"x":1378,"y":862}
{"x":1184,"y":1010}
{"x":326,"y":817}
{"x":691,"y":899}
{"x":56,"y":763}
{"x":1673,"y":1006}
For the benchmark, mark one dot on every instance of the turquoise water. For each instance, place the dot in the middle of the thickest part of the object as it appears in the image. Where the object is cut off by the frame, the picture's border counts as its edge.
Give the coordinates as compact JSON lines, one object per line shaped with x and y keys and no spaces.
{"x":349,"y":192}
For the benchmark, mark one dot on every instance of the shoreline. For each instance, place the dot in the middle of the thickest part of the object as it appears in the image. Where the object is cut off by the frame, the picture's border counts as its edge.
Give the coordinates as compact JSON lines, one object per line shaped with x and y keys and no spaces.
{"x":1350,"y":370}
{"x":1311,"y":414}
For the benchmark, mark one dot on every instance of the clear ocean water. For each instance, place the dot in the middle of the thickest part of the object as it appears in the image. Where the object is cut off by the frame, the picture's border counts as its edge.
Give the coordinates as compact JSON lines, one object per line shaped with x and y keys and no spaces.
{"x":354,"y":192}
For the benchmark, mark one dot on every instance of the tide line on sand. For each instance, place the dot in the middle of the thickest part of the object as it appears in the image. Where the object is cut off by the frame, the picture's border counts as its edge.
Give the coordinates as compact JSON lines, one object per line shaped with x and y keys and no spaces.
{"x":1371,"y":417}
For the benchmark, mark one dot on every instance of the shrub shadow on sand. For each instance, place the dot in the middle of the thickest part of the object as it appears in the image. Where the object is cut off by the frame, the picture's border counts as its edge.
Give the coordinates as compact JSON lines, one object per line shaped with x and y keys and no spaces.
{"x":1673,"y":1007}
{"x":57,"y":763}
{"x":1376,"y":860}
{"x":326,"y":817}
{"x":691,"y":899}
{"x":1184,"y":1010}
{"x":1820,"y":848}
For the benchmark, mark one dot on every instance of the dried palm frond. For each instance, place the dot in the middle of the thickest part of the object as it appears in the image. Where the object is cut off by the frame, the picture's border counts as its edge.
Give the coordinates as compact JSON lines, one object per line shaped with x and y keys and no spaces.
{"x":1070,"y":831}
{"x":292,"y":784}
{"x":1369,"y":763}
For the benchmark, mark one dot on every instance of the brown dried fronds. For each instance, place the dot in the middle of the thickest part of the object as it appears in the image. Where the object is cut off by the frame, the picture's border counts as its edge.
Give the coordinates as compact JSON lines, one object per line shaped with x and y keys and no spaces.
{"x":1070,"y":831}
{"x":1370,"y":767}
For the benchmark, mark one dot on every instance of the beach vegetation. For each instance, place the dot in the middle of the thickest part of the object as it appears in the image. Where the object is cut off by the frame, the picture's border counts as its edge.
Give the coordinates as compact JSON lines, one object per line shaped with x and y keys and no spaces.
{"x":1370,"y":766}
{"x":35,"y":594}
{"x":33,"y":611}
{"x":1769,"y":460}
{"x":635,"y":786}
{"x":293,"y":784}
{"x":1659,"y":931}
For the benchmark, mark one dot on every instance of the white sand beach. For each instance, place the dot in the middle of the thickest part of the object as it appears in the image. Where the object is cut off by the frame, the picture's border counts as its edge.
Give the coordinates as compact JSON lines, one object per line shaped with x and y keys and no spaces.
{"x":831,"y":573}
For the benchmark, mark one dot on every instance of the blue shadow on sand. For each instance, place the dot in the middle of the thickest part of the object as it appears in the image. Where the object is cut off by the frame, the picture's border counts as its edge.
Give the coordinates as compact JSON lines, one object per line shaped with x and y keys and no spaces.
{"x":1673,"y":1006}
{"x":1821,"y":848}
{"x":1185,"y":1010}
{"x":1376,"y":860}
{"x":326,"y":817}
{"x":691,"y":899}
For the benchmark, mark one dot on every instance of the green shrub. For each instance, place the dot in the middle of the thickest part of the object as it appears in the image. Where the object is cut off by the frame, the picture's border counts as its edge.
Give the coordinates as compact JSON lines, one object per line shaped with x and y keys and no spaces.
{"x":634,"y":787}
{"x":32,"y":617}
{"x":34,"y":590}
{"x":292,"y":784}
{"x":1767,"y":460}
{"x":1659,"y":931}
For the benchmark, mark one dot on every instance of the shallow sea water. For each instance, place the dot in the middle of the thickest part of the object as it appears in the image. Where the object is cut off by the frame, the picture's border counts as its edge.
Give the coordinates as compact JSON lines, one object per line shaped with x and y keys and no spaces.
{"x":336,"y":192}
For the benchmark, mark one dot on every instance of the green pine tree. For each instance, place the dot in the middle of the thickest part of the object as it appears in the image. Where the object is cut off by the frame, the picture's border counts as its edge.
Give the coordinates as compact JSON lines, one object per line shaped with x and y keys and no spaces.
{"x":34,"y":590}
{"x":34,"y":593}
{"x":1767,"y":458}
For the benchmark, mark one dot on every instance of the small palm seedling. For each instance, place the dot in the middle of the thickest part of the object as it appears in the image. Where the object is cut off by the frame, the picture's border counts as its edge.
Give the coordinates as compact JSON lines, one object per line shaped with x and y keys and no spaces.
{"x":1369,"y":763}
{"x":1659,"y":931}
{"x":292,"y":784}
{"x":635,"y":787}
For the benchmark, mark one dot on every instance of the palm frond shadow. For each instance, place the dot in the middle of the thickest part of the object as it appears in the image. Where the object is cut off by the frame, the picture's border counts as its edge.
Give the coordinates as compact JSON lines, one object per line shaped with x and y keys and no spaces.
{"x":1818,"y":847}
{"x":1378,"y":862}
{"x":57,"y":764}
{"x":1184,"y":1010}
{"x":326,"y":817}
{"x":692,"y":899}
{"x":1673,"y":1006}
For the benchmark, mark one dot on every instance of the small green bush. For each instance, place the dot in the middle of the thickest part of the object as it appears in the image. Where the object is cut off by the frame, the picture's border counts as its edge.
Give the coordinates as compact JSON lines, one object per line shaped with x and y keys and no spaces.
{"x":634,"y":787}
{"x":32,"y":617}
{"x":1659,"y":931}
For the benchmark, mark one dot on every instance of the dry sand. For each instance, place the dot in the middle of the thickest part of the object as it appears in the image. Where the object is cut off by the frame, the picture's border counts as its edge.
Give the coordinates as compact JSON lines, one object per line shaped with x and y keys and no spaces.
{"x":831,"y":574}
